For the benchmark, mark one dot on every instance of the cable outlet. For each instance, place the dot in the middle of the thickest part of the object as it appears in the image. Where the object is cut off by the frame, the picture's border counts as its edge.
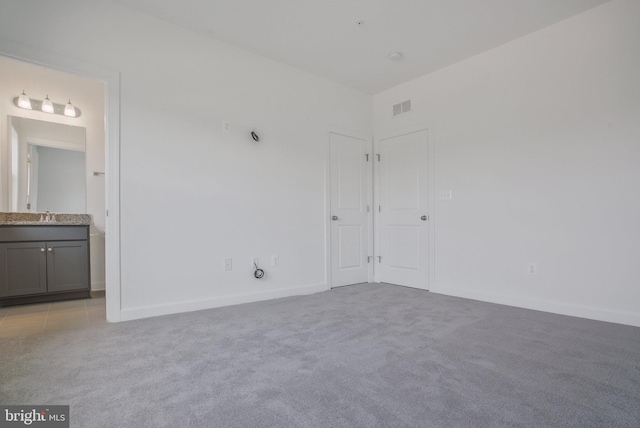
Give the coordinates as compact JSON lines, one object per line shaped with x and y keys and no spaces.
{"x":275,"y":260}
{"x":228,"y":264}
{"x":532,"y":268}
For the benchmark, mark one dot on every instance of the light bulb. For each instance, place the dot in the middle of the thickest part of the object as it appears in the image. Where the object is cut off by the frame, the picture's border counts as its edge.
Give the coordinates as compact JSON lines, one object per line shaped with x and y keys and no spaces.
{"x":24,"y":101}
{"x":69,"y":110}
{"x":47,"y":105}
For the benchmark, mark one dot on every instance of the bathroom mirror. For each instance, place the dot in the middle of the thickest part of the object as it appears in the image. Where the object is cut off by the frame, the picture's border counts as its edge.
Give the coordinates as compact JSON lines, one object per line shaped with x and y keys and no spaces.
{"x":46,"y":167}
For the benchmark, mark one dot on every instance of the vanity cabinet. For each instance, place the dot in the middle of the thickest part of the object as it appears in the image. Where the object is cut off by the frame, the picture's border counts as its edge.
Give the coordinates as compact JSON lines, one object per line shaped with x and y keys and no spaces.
{"x":43,"y":263}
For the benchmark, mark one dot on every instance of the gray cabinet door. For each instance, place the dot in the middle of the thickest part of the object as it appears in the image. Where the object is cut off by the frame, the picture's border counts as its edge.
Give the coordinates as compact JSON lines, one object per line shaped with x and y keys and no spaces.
{"x":67,"y":266}
{"x":23,"y":268}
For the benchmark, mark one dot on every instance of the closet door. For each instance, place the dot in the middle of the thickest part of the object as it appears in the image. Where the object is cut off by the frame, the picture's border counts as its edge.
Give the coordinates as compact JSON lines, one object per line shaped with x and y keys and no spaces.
{"x":350,"y":184}
{"x":403,"y":212}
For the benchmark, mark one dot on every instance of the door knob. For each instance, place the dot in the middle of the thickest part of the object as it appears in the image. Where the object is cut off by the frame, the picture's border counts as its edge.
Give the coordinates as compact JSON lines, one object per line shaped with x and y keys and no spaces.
{"x":50,"y":250}
{"x":334,"y":218}
{"x":42,"y":250}
{"x":424,"y":218}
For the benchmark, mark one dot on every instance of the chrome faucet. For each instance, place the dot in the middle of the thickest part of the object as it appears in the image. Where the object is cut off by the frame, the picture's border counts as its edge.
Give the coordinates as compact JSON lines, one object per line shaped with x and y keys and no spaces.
{"x":47,"y":217}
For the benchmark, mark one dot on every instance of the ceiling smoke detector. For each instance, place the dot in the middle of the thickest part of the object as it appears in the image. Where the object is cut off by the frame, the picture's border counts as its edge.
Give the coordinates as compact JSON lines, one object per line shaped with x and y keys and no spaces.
{"x":396,"y":56}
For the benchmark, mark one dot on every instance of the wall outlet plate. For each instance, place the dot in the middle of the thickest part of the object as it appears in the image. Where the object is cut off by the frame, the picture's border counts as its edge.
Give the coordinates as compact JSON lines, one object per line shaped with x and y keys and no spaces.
{"x":445,"y":195}
{"x":532,"y":268}
{"x":275,"y":260}
{"x":228,"y":264}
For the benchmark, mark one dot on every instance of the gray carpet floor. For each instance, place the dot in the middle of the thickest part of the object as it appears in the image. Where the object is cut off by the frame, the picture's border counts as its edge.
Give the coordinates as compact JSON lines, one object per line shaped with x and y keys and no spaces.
{"x":370,"y":355}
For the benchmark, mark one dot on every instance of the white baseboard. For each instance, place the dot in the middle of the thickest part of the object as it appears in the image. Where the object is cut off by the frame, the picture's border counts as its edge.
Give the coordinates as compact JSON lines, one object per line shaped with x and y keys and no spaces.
{"x":129,"y":314}
{"x":627,"y":318}
{"x":98,"y":286}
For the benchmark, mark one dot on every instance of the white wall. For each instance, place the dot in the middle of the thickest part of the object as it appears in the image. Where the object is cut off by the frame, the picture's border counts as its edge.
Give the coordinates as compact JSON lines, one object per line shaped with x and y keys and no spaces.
{"x":539,"y":140}
{"x":192,"y":195}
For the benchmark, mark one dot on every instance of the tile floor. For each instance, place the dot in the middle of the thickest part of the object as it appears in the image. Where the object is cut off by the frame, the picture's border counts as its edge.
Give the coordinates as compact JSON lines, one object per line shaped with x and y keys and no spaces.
{"x":22,"y":320}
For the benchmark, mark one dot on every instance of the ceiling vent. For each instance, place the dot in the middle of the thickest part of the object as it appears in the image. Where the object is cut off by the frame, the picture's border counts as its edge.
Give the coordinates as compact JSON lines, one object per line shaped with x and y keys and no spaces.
{"x":402,"y":107}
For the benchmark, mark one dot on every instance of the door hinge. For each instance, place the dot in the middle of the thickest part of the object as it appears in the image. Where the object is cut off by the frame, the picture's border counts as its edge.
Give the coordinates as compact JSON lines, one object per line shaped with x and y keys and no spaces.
{"x":378,"y":157}
{"x":368,"y":259}
{"x":379,"y":208}
{"x":367,"y":156}
{"x":367,"y":208}
{"x":379,"y":259}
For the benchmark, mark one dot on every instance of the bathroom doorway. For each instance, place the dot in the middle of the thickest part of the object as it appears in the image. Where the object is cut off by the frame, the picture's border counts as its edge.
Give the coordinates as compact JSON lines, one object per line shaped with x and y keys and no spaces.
{"x":95,"y":92}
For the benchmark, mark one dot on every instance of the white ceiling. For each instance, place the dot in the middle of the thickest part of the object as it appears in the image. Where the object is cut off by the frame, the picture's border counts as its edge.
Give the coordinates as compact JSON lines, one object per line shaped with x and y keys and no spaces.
{"x":321,"y":36}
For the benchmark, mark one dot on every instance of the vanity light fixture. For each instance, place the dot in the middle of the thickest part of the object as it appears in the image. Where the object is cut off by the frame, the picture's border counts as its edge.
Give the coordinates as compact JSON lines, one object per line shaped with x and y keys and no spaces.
{"x":24,"y":101}
{"x":46,"y":106}
{"x":69,"y":110}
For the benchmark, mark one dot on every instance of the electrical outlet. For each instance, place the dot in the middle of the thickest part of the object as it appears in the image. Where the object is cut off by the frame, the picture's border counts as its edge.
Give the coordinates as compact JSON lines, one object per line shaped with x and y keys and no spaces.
{"x":226,"y":126}
{"x":255,"y":262}
{"x":445,"y":195}
{"x":532,"y":268}
{"x":228,"y":264}
{"x":275,"y":260}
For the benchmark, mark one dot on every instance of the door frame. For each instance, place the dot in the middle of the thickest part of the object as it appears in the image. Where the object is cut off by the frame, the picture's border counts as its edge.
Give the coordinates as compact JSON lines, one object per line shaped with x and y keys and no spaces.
{"x":428,"y":127}
{"x":111,"y":80}
{"x":327,"y":202}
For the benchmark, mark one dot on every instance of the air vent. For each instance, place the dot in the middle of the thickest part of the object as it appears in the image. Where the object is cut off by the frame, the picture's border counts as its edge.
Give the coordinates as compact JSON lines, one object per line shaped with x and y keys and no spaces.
{"x":402,"y":107}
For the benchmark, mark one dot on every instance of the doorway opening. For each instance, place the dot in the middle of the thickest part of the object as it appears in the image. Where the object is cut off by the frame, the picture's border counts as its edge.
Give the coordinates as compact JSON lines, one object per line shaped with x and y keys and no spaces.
{"x":97,"y":90}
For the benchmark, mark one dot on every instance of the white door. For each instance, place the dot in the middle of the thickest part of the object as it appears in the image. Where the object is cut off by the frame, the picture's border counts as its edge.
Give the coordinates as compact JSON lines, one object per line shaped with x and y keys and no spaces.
{"x":403,"y":214}
{"x":350,"y":180}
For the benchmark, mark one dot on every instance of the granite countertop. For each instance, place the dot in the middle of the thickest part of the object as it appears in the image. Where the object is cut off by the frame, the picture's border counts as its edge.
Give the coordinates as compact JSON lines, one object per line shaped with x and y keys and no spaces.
{"x":33,"y":219}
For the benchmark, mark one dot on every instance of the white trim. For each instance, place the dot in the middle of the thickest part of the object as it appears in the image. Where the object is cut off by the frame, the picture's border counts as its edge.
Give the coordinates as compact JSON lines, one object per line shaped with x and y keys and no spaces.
{"x":98,"y":286}
{"x":628,"y":318}
{"x":428,"y":127}
{"x":370,"y":189}
{"x":237,"y":299}
{"x":404,"y":131}
{"x":56,"y":144}
{"x":371,"y":230}
{"x":327,"y":212}
{"x":111,"y":79}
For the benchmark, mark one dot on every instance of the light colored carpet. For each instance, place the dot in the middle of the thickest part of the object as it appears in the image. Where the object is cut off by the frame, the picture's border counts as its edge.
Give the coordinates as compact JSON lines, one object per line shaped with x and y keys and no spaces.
{"x":362,"y":356}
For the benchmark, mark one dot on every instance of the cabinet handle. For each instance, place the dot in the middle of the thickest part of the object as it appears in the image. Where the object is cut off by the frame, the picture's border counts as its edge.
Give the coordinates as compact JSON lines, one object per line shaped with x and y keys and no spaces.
{"x":50,"y":250}
{"x":42,"y":250}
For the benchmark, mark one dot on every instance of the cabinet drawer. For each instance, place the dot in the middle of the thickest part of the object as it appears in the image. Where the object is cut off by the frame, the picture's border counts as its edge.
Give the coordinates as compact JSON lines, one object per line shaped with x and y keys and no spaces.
{"x":43,"y":233}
